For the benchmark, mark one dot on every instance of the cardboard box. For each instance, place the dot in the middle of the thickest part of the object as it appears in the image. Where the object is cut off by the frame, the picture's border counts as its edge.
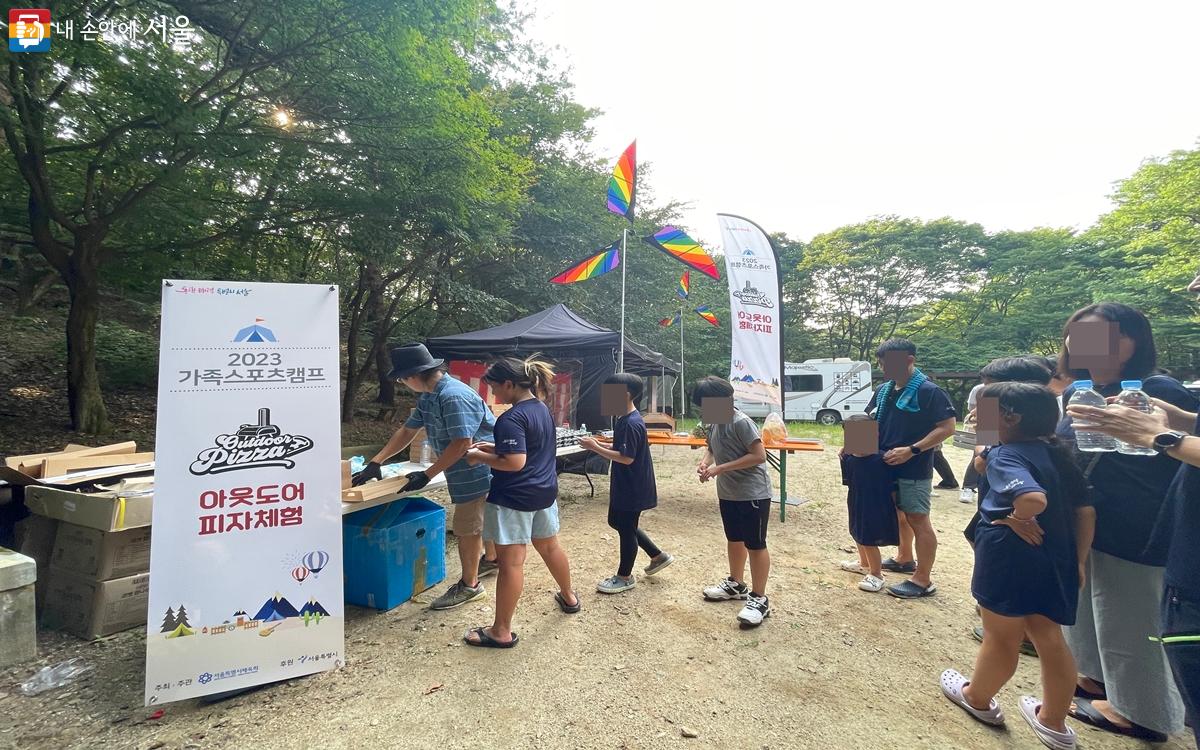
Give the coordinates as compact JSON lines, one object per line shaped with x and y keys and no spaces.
{"x":101,"y":555}
{"x":97,"y":510}
{"x":92,"y":609}
{"x":35,"y":539}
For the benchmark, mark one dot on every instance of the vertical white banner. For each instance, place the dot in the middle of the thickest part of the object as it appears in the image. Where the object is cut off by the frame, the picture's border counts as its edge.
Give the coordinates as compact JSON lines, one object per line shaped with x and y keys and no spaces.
{"x":754,"y":305}
{"x":246,"y":554}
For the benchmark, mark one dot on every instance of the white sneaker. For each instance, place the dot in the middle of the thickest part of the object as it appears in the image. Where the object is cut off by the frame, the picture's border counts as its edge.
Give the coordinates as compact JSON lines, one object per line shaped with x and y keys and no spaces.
{"x":853,"y":566}
{"x":967,"y":496}
{"x":871,"y":584}
{"x":726,"y":590}
{"x":757,"y":609}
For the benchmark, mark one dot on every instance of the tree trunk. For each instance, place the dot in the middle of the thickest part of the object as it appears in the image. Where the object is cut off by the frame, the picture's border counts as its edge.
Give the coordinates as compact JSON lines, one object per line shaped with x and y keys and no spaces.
{"x":387,"y":386}
{"x":88,"y":413}
{"x":351,"y":378}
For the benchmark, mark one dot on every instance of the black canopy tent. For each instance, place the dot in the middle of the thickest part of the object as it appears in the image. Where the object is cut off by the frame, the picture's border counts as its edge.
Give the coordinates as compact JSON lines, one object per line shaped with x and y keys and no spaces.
{"x":561,"y":335}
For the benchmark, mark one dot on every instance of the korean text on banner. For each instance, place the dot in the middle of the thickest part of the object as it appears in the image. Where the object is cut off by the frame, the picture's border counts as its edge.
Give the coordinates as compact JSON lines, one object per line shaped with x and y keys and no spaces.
{"x":246,"y":555}
{"x":755,"y":311}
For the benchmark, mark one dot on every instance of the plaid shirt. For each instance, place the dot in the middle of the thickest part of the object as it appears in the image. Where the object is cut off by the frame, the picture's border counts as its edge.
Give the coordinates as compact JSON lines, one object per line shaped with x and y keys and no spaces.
{"x":452,"y":412}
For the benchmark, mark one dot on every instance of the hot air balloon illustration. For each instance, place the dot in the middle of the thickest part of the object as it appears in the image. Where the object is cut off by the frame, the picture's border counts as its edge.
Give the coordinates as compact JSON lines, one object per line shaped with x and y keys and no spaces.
{"x":300,"y":574}
{"x":316,"y":561}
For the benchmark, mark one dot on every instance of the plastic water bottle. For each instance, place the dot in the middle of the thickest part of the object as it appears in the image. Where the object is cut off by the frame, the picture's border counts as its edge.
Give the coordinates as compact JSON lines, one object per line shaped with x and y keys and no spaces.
{"x":583,"y":427}
{"x":1090,"y":442}
{"x":426,"y":453}
{"x":1134,"y":397}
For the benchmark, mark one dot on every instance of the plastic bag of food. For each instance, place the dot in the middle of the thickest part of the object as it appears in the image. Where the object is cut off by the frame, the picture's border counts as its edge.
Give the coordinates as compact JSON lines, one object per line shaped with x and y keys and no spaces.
{"x":774,"y":429}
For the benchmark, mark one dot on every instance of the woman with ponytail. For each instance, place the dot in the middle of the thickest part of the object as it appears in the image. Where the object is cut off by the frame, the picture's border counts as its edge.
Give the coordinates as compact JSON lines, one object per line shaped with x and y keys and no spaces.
{"x":1030,"y":551}
{"x":522,"y":505}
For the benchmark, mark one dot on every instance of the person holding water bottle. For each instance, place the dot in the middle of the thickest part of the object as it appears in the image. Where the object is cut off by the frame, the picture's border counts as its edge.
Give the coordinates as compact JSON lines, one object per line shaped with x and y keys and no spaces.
{"x":1125,"y":684}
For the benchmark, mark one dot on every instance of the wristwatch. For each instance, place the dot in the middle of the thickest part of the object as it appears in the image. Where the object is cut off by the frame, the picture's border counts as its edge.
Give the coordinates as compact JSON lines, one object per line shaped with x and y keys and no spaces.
{"x":916,"y":451}
{"x":1165,"y":441}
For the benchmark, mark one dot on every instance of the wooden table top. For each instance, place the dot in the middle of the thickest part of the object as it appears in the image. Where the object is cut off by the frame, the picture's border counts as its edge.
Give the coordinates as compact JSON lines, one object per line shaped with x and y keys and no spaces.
{"x":793,"y":445}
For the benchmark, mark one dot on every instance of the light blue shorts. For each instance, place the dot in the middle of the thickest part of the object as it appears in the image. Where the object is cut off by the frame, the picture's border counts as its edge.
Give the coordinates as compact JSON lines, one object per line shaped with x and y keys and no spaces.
{"x":507,"y":526}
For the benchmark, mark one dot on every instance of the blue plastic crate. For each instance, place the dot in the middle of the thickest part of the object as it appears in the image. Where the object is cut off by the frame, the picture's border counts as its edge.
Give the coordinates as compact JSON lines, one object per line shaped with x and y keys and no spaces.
{"x":394,"y":552}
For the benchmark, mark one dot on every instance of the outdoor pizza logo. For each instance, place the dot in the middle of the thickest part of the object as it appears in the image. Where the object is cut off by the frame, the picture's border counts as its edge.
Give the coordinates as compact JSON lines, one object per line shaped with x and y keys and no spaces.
{"x":750,"y":296}
{"x":254,"y":446}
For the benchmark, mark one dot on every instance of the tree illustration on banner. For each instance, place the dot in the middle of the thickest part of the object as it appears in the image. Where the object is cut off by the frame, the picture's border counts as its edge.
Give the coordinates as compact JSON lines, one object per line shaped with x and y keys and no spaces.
{"x":169,"y":621}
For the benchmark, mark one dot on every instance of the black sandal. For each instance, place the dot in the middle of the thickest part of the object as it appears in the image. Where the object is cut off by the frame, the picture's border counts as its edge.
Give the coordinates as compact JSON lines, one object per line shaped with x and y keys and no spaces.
{"x":486,"y":641}
{"x":570,"y":609}
{"x":1082,"y":710}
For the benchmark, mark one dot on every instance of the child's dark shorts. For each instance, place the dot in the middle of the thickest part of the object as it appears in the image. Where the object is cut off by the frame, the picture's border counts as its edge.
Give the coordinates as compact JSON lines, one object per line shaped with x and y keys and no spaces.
{"x":746,"y":521}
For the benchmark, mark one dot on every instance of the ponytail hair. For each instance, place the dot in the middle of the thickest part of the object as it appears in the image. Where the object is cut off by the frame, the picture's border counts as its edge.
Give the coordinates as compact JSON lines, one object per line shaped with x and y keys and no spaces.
{"x":532,"y":373}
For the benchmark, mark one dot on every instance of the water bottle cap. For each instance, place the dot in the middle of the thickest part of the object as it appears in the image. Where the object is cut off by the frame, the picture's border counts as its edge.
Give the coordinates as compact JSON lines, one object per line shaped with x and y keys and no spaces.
{"x":1083,"y":384}
{"x":1131,"y":384}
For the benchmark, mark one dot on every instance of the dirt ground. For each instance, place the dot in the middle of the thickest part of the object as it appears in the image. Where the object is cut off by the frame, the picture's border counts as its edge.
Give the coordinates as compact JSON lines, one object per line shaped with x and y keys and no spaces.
{"x":832,"y":667}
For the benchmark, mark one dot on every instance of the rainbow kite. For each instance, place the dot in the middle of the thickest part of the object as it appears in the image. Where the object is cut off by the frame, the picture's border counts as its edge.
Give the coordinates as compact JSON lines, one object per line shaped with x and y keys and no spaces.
{"x":597,"y":265}
{"x":622,"y":186}
{"x":703,"y":312}
{"x":685,"y":283}
{"x":675,"y":243}
{"x":668,"y":322}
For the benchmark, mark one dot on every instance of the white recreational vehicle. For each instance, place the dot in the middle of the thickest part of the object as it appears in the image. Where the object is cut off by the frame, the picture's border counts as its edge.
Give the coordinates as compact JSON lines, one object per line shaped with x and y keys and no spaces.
{"x":820,"y":390}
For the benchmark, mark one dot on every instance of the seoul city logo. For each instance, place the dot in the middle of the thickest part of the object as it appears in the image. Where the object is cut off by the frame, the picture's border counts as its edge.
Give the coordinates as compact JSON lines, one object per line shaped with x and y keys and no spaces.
{"x":28,"y":30}
{"x":253,"y":446}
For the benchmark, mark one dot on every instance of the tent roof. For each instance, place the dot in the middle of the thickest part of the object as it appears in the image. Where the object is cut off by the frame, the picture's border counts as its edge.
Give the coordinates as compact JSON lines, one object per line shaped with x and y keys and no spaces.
{"x":555,"y":331}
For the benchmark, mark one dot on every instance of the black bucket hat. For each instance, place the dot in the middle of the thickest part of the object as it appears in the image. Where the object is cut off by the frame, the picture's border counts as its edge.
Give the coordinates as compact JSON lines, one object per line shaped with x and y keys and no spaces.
{"x":411,"y":359}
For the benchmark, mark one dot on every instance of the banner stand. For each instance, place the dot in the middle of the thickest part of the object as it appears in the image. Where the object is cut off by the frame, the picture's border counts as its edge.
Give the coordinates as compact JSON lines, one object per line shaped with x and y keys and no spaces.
{"x":756,"y":320}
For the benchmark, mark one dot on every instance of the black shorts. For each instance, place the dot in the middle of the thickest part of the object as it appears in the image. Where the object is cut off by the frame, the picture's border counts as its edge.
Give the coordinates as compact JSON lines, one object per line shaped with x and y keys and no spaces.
{"x":746,"y":521}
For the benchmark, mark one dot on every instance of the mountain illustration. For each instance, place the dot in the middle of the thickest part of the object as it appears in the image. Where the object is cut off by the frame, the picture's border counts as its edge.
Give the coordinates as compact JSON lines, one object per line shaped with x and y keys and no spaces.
{"x":313,"y":607}
{"x":277,"y":608}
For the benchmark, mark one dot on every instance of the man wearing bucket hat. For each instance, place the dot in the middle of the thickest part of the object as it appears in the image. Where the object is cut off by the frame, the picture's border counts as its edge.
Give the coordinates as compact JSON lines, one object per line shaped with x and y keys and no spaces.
{"x":454,"y":417}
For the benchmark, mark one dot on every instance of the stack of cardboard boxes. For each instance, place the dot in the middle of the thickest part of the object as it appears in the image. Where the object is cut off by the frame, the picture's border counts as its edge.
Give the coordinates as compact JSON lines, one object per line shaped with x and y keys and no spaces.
{"x":92,"y":551}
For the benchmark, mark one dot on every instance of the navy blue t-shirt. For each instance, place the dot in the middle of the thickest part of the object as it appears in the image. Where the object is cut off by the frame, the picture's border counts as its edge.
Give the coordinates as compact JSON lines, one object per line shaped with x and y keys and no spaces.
{"x":1179,"y":529}
{"x":1129,"y":491}
{"x":1014,"y":469}
{"x":900,"y":429}
{"x":526,"y":428}
{"x":632,"y":487}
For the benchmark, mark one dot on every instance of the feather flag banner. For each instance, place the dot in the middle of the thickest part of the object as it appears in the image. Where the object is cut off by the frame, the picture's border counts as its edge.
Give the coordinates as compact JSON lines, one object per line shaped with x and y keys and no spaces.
{"x":685,"y":283}
{"x":703,"y":312}
{"x":622,"y":186}
{"x":597,"y":265}
{"x":677,"y":244}
{"x":668,"y":322}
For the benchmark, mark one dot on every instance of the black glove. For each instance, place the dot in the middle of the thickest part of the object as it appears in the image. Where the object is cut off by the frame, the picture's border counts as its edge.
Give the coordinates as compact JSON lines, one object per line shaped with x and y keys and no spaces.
{"x":369,"y":472}
{"x":416,"y":480}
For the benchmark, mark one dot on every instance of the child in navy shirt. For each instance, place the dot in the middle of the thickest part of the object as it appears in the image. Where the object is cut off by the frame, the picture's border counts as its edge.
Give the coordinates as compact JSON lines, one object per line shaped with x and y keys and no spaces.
{"x":522,"y":504}
{"x":631,"y":487}
{"x":1030,"y":550}
{"x":871,"y":505}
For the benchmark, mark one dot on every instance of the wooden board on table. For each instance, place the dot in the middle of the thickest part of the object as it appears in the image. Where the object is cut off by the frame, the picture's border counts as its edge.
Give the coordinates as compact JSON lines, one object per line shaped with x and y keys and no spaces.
{"x":58,"y":465}
{"x":372,"y":490}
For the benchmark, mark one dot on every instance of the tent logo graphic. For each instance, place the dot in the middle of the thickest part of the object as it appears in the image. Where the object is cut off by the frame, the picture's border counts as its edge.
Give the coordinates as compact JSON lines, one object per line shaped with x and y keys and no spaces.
{"x":255,"y":334}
